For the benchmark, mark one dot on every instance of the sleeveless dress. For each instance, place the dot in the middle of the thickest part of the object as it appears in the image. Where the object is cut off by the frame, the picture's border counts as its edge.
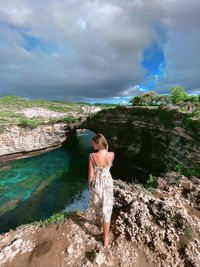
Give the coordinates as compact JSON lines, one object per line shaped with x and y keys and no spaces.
{"x":101,"y":192}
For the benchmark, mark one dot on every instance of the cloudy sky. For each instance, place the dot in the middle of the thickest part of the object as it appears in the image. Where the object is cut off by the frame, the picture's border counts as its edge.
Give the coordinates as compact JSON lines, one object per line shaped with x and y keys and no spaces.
{"x":98,"y":51}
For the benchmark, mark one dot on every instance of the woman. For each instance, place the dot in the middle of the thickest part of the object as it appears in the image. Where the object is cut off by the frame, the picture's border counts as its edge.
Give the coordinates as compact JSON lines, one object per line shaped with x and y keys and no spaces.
{"x":101,"y":183}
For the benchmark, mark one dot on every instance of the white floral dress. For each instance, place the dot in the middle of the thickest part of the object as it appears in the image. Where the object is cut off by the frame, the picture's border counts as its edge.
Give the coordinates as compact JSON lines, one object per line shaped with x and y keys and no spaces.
{"x":101,"y":192}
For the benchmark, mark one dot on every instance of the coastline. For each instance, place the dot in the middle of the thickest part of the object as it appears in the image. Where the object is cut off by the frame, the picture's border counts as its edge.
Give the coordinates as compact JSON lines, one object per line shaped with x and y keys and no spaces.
{"x":6,"y":158}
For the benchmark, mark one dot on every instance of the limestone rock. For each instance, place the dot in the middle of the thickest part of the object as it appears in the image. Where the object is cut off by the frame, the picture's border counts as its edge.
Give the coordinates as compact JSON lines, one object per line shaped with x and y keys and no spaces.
{"x":147,"y":229}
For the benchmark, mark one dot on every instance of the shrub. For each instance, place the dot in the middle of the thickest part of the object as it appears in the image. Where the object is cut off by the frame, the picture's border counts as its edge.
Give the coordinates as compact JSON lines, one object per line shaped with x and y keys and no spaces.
{"x":29,"y":122}
{"x":151,"y":183}
{"x":120,"y":107}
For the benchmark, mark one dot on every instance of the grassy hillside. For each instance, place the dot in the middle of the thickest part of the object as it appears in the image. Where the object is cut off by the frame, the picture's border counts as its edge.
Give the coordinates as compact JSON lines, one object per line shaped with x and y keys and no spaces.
{"x":11,"y":105}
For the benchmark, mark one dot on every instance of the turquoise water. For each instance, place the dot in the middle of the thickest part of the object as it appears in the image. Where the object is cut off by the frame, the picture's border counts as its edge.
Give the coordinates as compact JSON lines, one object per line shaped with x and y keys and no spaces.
{"x":34,"y":188}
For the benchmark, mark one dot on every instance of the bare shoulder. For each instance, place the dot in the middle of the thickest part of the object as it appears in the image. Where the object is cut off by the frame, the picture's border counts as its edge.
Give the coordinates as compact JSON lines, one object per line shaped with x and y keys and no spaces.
{"x":111,"y":154}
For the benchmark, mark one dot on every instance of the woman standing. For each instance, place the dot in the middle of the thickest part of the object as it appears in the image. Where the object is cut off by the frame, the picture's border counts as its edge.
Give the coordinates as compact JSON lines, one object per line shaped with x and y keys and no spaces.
{"x":101,"y":183}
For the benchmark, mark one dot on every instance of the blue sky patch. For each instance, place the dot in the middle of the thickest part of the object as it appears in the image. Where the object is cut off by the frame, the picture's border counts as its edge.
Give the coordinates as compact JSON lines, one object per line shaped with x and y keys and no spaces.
{"x":46,"y":46}
{"x":153,"y":57}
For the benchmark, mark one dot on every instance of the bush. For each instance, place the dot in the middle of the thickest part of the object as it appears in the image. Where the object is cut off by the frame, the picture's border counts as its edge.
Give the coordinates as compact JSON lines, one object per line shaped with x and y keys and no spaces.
{"x":120,"y":107}
{"x":151,"y":183}
{"x":29,"y":122}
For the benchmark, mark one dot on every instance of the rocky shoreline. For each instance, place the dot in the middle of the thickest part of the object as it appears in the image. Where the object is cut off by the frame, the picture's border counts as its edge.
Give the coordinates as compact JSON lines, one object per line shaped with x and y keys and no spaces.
{"x":148,"y":228}
{"x":15,"y":156}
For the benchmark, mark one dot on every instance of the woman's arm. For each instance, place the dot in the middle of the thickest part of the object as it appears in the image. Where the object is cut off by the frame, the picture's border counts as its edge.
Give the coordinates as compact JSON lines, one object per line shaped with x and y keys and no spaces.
{"x":90,"y":171}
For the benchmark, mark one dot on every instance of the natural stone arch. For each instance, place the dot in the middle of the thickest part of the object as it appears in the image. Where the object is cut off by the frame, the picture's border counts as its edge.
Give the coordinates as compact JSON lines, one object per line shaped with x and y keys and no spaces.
{"x":153,"y":138}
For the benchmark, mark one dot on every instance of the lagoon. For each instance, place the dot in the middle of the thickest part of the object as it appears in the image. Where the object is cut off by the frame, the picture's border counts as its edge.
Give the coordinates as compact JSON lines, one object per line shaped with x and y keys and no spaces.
{"x":34,"y":188}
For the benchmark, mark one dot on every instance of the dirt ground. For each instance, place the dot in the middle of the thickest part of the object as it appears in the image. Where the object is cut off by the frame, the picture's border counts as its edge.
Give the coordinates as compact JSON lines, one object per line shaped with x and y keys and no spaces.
{"x":77,"y":241}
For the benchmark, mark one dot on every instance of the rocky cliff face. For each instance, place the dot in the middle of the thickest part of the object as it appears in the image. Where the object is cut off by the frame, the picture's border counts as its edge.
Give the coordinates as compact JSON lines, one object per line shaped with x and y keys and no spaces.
{"x":159,"y":228}
{"x":154,"y":138}
{"x":16,"y":139}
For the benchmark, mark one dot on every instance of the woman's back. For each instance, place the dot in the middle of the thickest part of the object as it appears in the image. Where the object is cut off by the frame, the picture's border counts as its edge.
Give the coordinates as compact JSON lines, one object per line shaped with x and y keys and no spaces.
{"x":103,"y":160}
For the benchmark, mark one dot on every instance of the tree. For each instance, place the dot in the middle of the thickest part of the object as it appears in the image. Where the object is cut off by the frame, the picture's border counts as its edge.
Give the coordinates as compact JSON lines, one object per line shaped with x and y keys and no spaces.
{"x":163,"y":99}
{"x":136,"y":101}
{"x":191,"y":98}
{"x":149,"y":98}
{"x":178,"y":95}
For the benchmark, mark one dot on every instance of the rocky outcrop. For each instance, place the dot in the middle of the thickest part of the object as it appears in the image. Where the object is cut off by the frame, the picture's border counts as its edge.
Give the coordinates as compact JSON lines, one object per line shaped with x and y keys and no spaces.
{"x":167,"y":221}
{"x":45,"y":114}
{"x":16,"y":139}
{"x":155,"y":138}
{"x":148,"y":228}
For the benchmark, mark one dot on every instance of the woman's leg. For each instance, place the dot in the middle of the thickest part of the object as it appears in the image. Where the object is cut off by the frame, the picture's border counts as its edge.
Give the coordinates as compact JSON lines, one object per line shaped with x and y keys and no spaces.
{"x":100,"y":222}
{"x":106,"y":226}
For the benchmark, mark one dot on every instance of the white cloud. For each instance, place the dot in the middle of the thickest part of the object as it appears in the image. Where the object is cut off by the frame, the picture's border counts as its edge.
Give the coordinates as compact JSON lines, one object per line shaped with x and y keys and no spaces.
{"x":182,"y":47}
{"x":99,"y":46}
{"x":132,"y":91}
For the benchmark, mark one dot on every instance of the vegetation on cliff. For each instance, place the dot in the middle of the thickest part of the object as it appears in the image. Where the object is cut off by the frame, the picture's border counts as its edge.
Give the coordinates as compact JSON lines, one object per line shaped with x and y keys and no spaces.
{"x":178,"y":96}
{"x":12,"y":107}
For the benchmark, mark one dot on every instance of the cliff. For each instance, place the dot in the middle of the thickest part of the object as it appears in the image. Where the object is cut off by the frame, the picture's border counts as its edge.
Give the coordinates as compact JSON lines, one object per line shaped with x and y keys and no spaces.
{"x":37,"y":130}
{"x":16,"y":139}
{"x":155,"y":138}
{"x":159,"y":228}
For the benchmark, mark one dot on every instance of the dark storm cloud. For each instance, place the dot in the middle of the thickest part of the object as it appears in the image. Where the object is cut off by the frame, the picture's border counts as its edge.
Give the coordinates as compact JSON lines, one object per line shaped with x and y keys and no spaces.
{"x":80,"y":49}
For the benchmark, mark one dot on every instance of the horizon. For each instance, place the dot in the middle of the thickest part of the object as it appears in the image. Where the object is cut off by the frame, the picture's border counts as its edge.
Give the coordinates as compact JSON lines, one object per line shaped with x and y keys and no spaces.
{"x":120,"y":101}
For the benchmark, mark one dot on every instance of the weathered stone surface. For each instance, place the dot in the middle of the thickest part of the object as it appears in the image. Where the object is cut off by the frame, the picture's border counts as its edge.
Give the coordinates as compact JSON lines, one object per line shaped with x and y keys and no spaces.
{"x":167,"y":220}
{"x":15,"y":139}
{"x":147,"y":229}
{"x":152,"y":137}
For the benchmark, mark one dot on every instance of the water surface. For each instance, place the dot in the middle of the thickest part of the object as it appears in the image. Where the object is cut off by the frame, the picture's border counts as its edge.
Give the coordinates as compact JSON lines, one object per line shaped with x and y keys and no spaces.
{"x":34,"y":188}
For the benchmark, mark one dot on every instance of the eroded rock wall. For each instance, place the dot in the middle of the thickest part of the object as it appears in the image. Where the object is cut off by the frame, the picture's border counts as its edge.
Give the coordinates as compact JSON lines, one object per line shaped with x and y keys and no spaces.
{"x":153,"y":138}
{"x":16,"y":139}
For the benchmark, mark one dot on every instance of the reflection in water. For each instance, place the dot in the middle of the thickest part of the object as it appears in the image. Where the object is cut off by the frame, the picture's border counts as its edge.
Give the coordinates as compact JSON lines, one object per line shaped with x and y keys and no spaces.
{"x":36,"y":187}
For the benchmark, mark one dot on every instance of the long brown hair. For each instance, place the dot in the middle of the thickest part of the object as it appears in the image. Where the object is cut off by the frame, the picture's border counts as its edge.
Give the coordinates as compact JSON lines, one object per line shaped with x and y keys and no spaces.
{"x":101,"y":141}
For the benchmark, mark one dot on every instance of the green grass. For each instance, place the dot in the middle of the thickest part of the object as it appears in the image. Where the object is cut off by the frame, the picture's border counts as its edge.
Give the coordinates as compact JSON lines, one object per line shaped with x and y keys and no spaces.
{"x":11,"y":104}
{"x":54,"y":218}
{"x":187,"y":228}
{"x":188,"y":170}
{"x":120,"y":107}
{"x":2,"y":127}
{"x":104,"y":105}
{"x":29,"y":122}
{"x":8,"y":113}
{"x":20,"y":103}
{"x":190,"y":231}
